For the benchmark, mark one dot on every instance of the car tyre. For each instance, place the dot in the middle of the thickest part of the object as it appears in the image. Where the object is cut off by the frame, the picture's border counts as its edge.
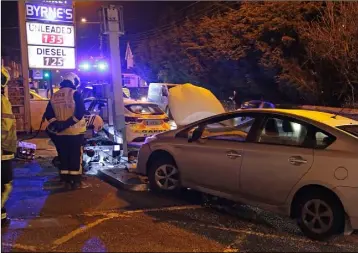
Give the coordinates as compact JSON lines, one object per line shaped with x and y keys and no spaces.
{"x":164,"y":176}
{"x":320,"y":215}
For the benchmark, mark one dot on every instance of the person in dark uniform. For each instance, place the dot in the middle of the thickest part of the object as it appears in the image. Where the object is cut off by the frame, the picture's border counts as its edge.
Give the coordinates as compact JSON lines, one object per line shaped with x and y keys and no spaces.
{"x":65,"y":114}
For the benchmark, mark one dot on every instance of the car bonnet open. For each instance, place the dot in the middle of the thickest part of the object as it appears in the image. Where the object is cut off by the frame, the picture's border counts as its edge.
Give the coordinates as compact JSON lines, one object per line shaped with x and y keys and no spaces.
{"x":189,"y":103}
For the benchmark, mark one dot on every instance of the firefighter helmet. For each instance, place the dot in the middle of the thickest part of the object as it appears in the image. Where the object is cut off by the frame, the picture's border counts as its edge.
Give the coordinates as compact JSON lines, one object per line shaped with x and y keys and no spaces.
{"x":5,"y":77}
{"x":72,"y":77}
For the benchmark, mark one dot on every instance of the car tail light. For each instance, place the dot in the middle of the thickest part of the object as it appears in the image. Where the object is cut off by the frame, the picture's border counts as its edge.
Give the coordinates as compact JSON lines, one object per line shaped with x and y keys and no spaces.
{"x":133,"y":120}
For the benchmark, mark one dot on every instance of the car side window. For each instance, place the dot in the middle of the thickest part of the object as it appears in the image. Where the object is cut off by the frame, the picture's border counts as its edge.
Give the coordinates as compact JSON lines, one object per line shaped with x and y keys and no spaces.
{"x":282,"y":131}
{"x":323,"y":140}
{"x":233,"y":129}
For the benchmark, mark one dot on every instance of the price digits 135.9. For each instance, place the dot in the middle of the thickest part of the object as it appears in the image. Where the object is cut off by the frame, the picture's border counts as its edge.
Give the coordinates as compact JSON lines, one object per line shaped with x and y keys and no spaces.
{"x":52,"y":39}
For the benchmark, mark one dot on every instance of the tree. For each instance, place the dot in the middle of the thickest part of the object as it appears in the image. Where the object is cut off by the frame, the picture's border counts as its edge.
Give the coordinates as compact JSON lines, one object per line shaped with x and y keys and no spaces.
{"x":332,"y":46}
{"x":272,"y":49}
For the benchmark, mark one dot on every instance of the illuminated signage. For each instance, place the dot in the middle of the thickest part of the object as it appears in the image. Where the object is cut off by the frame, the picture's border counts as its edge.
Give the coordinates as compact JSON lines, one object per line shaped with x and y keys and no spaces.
{"x":50,"y":34}
{"x":56,"y":2}
{"x":53,"y":13}
{"x":43,"y":57}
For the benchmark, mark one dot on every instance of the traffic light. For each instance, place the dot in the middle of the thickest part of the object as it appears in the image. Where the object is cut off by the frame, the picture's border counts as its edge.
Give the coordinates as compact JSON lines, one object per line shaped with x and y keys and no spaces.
{"x":47,"y":74}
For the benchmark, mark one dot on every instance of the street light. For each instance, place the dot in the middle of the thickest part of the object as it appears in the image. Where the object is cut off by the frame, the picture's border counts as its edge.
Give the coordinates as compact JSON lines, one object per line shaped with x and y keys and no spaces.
{"x":83,"y":20}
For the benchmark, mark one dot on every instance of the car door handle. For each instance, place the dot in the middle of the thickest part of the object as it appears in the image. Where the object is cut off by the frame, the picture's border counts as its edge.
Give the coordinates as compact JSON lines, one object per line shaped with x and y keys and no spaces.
{"x":297,"y":160}
{"x":233,"y":155}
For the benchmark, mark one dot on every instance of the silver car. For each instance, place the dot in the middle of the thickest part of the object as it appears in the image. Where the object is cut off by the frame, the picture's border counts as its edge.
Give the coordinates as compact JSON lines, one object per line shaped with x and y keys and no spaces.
{"x":300,"y":163}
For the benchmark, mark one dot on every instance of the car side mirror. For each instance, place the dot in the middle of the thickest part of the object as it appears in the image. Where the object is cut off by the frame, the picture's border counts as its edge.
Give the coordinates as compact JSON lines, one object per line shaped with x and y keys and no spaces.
{"x":194,"y":135}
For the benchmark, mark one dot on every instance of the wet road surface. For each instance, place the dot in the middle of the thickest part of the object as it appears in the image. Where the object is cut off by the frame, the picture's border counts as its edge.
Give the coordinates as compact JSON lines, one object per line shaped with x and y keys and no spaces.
{"x":101,"y":218}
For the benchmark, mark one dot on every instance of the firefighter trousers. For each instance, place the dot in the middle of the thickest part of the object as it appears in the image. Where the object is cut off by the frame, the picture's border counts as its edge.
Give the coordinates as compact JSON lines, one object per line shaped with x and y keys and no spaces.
{"x":70,"y":150}
{"x":6,"y":184}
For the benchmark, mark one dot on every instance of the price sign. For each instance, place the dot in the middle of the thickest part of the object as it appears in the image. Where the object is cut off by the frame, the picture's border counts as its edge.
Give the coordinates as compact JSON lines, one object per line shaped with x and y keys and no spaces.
{"x":49,"y":34}
{"x":43,"y":57}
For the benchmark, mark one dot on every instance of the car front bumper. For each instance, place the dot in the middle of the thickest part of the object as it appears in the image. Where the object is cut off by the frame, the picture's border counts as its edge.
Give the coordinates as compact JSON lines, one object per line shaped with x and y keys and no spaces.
{"x":133,"y":133}
{"x":349,"y":199}
{"x":143,"y":157}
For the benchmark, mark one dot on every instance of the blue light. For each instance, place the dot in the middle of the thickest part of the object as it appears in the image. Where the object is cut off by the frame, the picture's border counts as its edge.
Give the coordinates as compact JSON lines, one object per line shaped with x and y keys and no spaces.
{"x":85,"y":66}
{"x":102,"y":66}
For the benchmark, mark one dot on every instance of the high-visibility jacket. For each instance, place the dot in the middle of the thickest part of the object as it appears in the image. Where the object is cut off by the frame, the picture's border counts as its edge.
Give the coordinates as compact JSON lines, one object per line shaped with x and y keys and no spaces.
{"x":8,"y":130}
{"x":63,"y":105}
{"x":127,"y":92}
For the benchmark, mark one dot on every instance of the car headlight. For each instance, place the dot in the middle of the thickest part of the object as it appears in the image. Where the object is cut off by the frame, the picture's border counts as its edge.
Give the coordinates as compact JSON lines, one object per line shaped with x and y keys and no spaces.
{"x":173,"y":125}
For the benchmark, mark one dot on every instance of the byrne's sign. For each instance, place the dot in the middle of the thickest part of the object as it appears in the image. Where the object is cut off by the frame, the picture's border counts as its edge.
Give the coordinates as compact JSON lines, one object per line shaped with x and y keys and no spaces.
{"x":50,"y":34}
{"x":43,"y":57}
{"x":53,"y":13}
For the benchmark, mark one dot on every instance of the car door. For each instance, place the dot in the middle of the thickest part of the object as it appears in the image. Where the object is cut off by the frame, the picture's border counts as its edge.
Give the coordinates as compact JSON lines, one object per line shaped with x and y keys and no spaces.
{"x":214,"y":160}
{"x":278,"y":158}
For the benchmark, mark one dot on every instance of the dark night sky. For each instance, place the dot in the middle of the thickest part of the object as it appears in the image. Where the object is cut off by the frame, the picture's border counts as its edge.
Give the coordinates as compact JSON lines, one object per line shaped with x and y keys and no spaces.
{"x":138,"y":18}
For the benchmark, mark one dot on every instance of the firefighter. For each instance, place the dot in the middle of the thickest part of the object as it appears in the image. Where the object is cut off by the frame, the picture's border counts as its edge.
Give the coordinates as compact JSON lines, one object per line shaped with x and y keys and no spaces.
{"x":8,"y":145}
{"x":65,"y":114}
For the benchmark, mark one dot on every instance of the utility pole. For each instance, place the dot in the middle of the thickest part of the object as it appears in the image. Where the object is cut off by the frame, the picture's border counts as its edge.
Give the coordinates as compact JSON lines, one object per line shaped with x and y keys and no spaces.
{"x":112,"y":24}
{"x":24,"y":64}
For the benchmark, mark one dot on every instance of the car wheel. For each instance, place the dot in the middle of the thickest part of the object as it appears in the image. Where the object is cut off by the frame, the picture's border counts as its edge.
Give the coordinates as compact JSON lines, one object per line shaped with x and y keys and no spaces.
{"x":320,"y":215}
{"x":164,"y":176}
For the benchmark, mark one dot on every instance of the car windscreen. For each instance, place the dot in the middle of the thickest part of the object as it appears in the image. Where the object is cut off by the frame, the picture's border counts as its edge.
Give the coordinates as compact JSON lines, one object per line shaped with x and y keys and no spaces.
{"x":171,"y":86}
{"x":145,"y":109}
{"x":87,"y":104}
{"x":352,"y":129}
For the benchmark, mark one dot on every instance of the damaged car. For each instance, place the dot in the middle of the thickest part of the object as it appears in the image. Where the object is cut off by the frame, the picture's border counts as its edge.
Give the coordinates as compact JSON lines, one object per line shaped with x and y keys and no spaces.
{"x":298,"y":163}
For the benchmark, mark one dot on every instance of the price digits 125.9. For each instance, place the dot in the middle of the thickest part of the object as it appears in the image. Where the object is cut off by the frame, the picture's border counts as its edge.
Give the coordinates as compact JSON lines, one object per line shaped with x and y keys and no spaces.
{"x":53,"y":61}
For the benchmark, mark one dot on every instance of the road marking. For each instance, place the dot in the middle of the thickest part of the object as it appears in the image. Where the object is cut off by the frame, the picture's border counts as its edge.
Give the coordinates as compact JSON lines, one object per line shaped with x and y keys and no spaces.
{"x":78,"y":231}
{"x":19,"y":246}
{"x":109,"y":212}
{"x":160,"y":209}
{"x":237,"y":242}
{"x":231,"y":250}
{"x":112,"y":215}
{"x":261,"y":234}
{"x":248,"y":232}
{"x":83,"y":229}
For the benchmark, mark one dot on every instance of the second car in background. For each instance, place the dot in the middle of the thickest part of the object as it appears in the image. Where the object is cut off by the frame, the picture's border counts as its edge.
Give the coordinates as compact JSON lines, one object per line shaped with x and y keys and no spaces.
{"x":257,"y":104}
{"x":143,"y":119}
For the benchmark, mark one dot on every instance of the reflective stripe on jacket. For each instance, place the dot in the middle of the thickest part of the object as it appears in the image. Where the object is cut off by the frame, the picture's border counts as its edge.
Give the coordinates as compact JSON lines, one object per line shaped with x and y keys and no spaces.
{"x":64,"y":106}
{"x":8,"y":130}
{"x":127,"y":92}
